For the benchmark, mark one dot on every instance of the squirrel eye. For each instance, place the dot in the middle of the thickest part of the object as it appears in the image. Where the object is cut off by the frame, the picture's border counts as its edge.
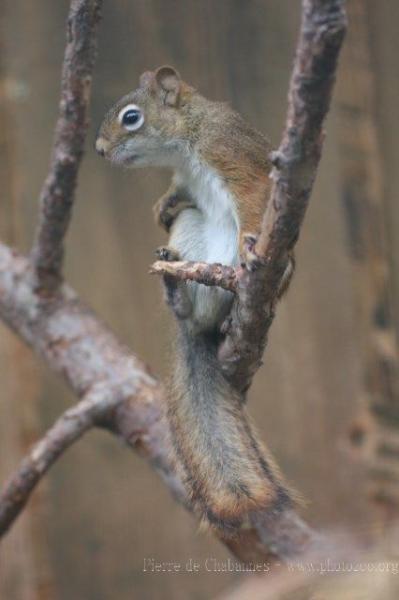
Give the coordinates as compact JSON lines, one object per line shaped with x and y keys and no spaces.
{"x":131,"y":117}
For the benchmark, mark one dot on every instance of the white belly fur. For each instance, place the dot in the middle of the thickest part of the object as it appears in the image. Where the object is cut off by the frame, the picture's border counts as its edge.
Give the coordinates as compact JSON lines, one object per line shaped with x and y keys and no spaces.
{"x":209,"y":233}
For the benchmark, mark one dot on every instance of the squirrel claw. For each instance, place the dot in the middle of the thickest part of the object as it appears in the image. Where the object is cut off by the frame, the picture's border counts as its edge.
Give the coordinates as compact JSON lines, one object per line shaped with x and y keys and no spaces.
{"x":249,"y":259}
{"x":166,"y":253}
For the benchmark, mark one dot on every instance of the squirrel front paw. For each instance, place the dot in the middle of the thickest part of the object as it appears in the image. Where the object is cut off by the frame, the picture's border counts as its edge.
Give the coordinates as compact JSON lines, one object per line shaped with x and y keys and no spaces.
{"x":164,"y":211}
{"x":168,"y":208}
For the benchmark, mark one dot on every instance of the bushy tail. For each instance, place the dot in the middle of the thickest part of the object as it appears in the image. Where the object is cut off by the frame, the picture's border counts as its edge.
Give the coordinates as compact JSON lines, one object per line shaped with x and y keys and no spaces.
{"x":227,"y":471}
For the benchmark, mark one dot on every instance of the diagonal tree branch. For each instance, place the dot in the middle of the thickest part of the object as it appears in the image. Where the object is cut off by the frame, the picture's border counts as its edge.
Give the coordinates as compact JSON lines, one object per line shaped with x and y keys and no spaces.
{"x":65,"y":431}
{"x":77,"y":345}
{"x":57,"y":195}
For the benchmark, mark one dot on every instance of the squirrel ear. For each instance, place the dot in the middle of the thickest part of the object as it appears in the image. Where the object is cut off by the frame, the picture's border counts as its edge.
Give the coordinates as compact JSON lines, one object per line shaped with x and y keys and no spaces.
{"x":169,"y":83}
{"x":146,"y":79}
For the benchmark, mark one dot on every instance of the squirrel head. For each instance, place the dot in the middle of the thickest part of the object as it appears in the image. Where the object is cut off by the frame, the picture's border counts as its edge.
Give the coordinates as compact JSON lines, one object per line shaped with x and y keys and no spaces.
{"x":149,"y":126}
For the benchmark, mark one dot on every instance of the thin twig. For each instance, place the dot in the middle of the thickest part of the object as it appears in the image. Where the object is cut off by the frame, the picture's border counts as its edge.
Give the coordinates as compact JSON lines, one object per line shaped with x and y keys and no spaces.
{"x":57,"y":195}
{"x":208,"y":274}
{"x":65,"y":431}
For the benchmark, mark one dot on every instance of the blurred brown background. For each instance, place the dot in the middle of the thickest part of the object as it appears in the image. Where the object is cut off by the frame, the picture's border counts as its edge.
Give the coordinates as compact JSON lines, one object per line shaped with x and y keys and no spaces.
{"x":101,"y":510}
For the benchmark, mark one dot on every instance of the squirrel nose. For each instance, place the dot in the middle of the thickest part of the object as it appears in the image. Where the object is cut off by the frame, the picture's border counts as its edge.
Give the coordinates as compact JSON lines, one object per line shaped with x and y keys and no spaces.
{"x":101,"y":146}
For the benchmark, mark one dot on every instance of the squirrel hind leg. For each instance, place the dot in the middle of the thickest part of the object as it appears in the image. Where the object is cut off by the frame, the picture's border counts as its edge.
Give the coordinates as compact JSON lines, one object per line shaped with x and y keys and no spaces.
{"x":176,"y":292}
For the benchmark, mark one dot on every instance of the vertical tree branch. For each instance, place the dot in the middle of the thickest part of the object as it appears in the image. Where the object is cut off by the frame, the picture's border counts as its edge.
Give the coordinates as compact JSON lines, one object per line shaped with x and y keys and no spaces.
{"x":57,"y":195}
{"x":295,"y":164}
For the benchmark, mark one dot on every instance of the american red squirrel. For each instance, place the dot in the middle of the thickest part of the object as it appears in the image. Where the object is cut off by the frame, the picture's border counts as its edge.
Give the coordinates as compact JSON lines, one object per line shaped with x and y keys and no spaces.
{"x":218,"y":193}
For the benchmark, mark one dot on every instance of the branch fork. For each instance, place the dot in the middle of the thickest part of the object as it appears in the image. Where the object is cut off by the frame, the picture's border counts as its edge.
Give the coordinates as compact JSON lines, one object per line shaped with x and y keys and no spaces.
{"x":121,"y":393}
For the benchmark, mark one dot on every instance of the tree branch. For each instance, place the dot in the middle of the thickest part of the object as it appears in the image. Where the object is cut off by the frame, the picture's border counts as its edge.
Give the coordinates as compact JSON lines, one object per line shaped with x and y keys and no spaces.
{"x":208,"y":274}
{"x":75,"y":344}
{"x":295,"y":164}
{"x":57,"y":195}
{"x":65,"y":431}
